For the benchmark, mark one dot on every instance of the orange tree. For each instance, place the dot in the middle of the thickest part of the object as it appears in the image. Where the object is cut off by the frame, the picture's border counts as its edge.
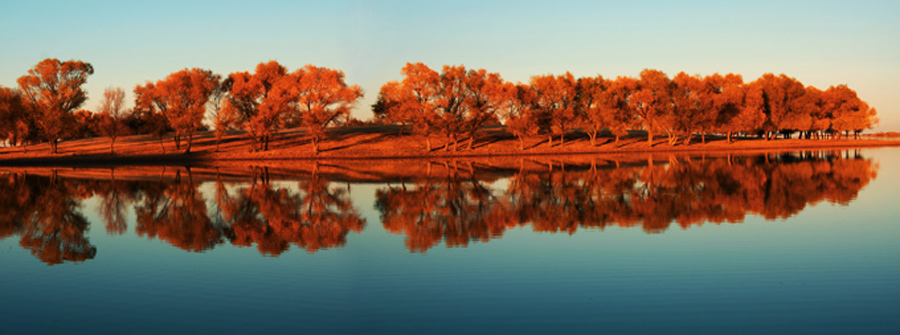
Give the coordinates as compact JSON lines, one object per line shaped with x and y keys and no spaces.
{"x":54,"y":88}
{"x":782,"y":96}
{"x":412,"y":101}
{"x":320,"y":98}
{"x":519,"y":114}
{"x":602,"y":104}
{"x":181,"y":97}
{"x":16,"y":119}
{"x":554,"y":99}
{"x":740,"y":107}
{"x":252,"y":105}
{"x":652,"y":102}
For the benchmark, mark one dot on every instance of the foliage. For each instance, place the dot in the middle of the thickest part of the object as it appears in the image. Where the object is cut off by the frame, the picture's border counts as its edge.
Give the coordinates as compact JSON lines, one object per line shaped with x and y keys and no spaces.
{"x":54,"y":89}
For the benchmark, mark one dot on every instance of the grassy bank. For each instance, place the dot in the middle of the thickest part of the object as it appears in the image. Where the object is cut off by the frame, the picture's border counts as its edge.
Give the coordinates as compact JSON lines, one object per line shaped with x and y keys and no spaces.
{"x":381,"y":142}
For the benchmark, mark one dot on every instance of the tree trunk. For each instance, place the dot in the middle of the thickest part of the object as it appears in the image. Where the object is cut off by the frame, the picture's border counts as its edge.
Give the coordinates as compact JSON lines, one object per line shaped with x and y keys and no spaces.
{"x":177,"y":139}
{"x":649,"y":138}
{"x":521,"y":143}
{"x":687,"y":139}
{"x":617,"y":138}
{"x":53,"y":146}
{"x":562,"y":139}
{"x":593,"y":135}
{"x":315,"y":143}
{"x":550,"y":141}
{"x":728,"y":137}
{"x":471,"y":141}
{"x":428,"y":143}
{"x":703,"y":138}
{"x":188,"y":150}
{"x":111,"y":144}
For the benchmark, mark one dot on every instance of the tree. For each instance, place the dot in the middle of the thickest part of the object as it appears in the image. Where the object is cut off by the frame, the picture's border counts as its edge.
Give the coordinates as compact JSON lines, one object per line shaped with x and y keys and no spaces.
{"x":813,"y":105}
{"x":603,"y":104}
{"x":618,"y":113}
{"x":849,"y":112}
{"x":519,"y":115}
{"x":54,"y":88}
{"x":181,"y":97}
{"x":412,"y":101}
{"x":590,"y":105}
{"x":740,"y":107}
{"x":782,"y":96}
{"x":487,"y":95}
{"x":322,"y":99}
{"x":112,"y":109}
{"x":16,"y":122}
{"x":652,"y":102}
{"x":694,"y":101}
{"x":253,"y":105}
{"x":554,"y":99}
{"x":84,"y":124}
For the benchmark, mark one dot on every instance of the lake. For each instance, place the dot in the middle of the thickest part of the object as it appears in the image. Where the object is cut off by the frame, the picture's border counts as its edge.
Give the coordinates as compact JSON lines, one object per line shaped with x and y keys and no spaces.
{"x":783,"y":243}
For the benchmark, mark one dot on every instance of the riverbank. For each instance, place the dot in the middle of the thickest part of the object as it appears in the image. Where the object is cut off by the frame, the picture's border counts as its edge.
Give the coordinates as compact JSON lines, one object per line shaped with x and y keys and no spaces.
{"x":382,"y":142}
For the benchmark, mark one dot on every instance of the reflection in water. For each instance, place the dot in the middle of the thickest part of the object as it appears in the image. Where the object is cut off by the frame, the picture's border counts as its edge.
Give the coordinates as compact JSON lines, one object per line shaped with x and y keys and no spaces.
{"x":316,"y":217}
{"x":45,"y":213}
{"x":653,"y":196}
{"x":177,"y":213}
{"x":314,"y":214}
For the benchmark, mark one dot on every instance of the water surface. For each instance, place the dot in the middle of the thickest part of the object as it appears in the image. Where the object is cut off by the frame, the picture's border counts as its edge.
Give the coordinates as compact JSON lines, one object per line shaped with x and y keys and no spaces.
{"x":770,"y":243}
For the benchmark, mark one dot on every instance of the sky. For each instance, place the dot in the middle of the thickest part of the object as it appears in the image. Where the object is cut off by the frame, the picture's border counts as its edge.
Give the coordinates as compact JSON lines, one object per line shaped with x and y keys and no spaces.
{"x":820,"y":43}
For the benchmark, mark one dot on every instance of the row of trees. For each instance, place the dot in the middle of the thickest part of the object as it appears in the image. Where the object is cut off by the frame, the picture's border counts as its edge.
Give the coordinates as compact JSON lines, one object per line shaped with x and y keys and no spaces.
{"x":456,"y":102}
{"x":46,"y":104}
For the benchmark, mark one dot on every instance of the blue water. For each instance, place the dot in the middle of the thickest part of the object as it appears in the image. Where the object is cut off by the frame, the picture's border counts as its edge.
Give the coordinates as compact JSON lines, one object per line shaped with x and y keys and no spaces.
{"x":831,"y":267}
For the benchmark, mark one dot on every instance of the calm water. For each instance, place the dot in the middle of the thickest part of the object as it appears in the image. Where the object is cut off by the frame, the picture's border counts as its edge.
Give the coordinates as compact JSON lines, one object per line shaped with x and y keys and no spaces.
{"x":781,"y":243}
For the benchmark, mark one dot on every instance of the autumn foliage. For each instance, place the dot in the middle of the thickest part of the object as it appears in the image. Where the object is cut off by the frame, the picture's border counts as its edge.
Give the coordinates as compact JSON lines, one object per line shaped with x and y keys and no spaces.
{"x":271,"y":99}
{"x":53,"y":89}
{"x":429,"y":103}
{"x":181,"y":98}
{"x":448,"y":108}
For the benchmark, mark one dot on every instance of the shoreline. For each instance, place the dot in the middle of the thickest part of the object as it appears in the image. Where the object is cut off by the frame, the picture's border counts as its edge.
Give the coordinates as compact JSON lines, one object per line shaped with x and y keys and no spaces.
{"x":380,"y":145}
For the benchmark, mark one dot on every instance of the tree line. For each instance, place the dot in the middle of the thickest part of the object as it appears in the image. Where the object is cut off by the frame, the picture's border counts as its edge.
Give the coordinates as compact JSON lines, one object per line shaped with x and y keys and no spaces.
{"x":45,"y":106}
{"x":453,"y":104}
{"x":456,"y":102}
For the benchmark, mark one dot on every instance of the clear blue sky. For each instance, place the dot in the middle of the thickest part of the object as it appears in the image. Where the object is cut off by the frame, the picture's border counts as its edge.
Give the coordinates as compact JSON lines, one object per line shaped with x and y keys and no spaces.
{"x":821,"y":43}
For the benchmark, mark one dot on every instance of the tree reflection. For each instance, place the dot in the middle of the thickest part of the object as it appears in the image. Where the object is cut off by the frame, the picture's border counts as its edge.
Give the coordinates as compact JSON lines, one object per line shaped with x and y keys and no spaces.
{"x":453,"y":209}
{"x":313,"y":216}
{"x":178,"y":215}
{"x":115,"y":198}
{"x":44,"y":210}
{"x":45,"y":213}
{"x":686,"y":191}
